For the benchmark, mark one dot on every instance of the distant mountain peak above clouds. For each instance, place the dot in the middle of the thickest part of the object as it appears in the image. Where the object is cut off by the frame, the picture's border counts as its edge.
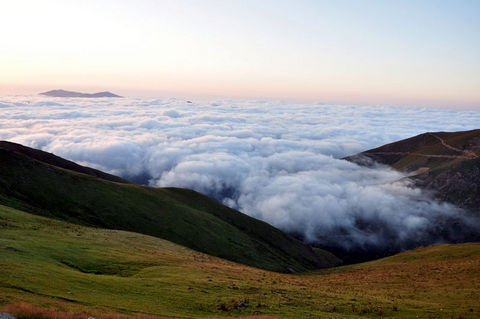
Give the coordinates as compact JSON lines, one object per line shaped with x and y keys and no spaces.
{"x":64,"y":93}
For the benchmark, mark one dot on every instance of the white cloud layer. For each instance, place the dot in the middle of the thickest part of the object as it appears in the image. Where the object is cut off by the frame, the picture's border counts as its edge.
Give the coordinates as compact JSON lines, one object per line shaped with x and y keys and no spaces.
{"x":279,"y":162}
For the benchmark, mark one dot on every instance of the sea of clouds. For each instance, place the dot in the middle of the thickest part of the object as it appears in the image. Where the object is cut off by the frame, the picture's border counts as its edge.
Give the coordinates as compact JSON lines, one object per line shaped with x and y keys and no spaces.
{"x":276,"y":161}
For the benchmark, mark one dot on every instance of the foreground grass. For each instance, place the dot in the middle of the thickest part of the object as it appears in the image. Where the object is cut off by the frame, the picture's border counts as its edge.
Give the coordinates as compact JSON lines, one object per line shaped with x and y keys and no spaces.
{"x":74,"y":269}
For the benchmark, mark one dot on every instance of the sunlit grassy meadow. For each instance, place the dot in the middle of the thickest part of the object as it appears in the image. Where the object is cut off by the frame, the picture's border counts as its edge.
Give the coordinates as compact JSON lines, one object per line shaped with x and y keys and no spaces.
{"x":56,"y":265}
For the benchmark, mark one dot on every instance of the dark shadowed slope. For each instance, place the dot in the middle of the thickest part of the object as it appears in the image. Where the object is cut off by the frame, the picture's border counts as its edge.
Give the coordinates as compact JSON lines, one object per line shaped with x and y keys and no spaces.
{"x":446,"y":162}
{"x":63,"y":93}
{"x":178,"y":215}
{"x":54,"y":160}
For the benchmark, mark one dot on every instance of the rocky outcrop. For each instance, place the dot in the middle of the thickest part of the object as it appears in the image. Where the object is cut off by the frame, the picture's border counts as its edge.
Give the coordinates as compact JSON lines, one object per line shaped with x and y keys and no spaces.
{"x":460,"y":184}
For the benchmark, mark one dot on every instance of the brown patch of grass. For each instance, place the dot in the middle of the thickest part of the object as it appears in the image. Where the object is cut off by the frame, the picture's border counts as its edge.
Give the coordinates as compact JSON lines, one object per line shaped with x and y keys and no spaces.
{"x":23,"y":310}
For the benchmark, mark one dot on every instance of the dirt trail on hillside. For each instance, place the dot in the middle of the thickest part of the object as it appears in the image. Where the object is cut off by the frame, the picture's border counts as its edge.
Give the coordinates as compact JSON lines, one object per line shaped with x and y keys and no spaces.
{"x":420,"y":154}
{"x":467,"y":154}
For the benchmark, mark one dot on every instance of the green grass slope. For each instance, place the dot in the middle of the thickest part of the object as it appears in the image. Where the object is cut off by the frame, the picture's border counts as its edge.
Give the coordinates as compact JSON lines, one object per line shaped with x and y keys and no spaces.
{"x":178,"y":215}
{"x":107,"y":273}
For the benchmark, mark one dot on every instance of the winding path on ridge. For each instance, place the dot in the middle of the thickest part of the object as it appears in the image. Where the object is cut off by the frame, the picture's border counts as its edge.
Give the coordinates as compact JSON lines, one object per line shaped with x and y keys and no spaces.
{"x":467,"y":154}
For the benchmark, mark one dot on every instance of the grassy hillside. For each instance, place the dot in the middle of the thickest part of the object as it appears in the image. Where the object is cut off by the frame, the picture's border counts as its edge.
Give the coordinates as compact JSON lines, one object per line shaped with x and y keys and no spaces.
{"x":181,"y":216}
{"x":426,"y":150}
{"x":445,"y":162}
{"x":54,"y":160}
{"x":57,"y":265}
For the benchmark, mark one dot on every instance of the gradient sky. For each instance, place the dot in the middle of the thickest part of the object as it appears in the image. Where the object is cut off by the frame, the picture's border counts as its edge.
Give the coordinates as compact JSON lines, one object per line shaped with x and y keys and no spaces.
{"x":399,"y":52}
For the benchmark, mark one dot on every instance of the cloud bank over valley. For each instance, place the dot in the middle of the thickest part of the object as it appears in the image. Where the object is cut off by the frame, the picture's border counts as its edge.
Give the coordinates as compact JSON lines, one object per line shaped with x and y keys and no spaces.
{"x":276,"y":161}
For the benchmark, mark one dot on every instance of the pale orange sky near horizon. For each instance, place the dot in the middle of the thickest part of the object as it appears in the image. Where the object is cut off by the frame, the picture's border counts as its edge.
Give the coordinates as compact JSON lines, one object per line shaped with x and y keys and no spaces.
{"x":413,"y":53}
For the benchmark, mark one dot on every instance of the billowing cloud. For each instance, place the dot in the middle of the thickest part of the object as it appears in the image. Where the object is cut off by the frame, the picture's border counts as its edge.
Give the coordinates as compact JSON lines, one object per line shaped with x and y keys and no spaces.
{"x":279,"y":162}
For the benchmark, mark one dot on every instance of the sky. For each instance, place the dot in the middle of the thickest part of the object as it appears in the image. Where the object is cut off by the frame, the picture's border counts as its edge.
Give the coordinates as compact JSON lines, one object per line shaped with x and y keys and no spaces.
{"x":394,"y":52}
